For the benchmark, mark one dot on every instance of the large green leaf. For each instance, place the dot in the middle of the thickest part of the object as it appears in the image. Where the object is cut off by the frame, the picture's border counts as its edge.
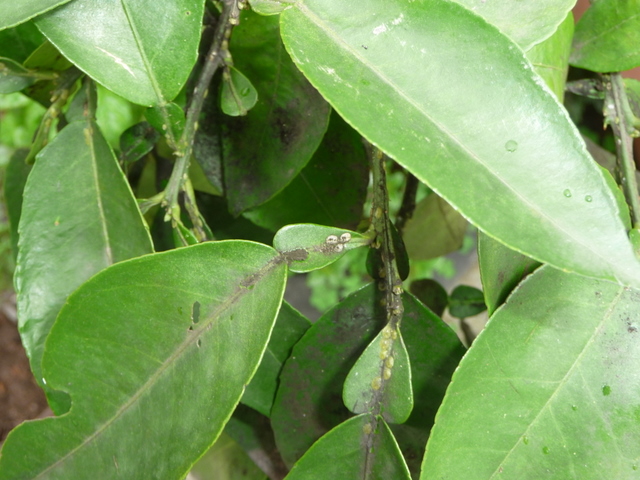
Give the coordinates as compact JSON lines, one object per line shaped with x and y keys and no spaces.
{"x":142,"y":50}
{"x":607,"y":36}
{"x":330,"y":190}
{"x":155,"y":353}
{"x":265,"y":149}
{"x":14,"y":13}
{"x":526,"y":23}
{"x":549,"y":389}
{"x":456,"y":102}
{"x":15,"y":179}
{"x":19,"y":42}
{"x":309,"y":399}
{"x":362,"y":447}
{"x":78,"y":217}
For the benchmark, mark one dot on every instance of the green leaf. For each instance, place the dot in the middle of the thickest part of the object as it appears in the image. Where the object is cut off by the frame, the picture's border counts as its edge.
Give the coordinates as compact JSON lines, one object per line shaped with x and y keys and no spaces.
{"x":310,"y":247}
{"x":267,"y":148}
{"x":493,"y":137}
{"x":15,"y":179}
{"x":309,"y":399}
{"x":501,"y":270}
{"x":13,"y":76}
{"x":550,"y":388}
{"x":84,"y":103}
{"x":78,"y":217}
{"x":362,"y":447}
{"x":330,"y":190}
{"x":290,"y":326}
{"x":153,"y":351}
{"x":526,"y":23}
{"x":607,"y":37}
{"x":17,"y":43}
{"x":380,"y":380}
{"x":143,"y":51}
{"x":237,"y":95}
{"x":168,"y":119}
{"x":434,"y":229}
{"x":226,"y":460}
{"x":632,"y":88}
{"x":269,"y":7}
{"x":14,"y":13}
{"x":136,"y":142}
{"x":466,"y":301}
{"x":431,"y":293}
{"x":550,"y":58}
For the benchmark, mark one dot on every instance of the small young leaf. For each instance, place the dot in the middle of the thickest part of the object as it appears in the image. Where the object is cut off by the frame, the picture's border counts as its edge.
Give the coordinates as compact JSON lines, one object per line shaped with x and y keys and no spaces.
{"x":607,"y":37}
{"x":380,"y":380}
{"x":136,"y":142}
{"x":466,"y":301}
{"x":363,"y":447}
{"x":237,"y":95}
{"x":310,"y":247}
{"x":431,"y":293}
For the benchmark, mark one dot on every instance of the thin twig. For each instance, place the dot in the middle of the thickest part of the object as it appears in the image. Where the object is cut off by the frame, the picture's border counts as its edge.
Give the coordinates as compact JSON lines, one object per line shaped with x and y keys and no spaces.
{"x":622,"y":126}
{"x":408,"y":201}
{"x":214,"y":59}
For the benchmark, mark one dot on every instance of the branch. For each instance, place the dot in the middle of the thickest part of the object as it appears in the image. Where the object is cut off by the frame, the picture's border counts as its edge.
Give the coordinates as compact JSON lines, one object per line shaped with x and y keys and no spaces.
{"x":215,"y":57}
{"x":408,"y":201}
{"x":619,"y":114}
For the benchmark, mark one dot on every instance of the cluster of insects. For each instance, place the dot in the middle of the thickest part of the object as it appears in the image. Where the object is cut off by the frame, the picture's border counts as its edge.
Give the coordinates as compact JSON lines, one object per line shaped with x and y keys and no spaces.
{"x":338,"y":242}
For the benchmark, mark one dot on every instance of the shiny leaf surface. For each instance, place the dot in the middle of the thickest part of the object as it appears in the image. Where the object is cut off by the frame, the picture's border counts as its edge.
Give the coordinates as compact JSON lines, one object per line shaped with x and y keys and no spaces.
{"x":153,"y":351}
{"x":120,"y":45}
{"x":495,"y":137}
{"x":14,"y":13}
{"x":550,"y":387}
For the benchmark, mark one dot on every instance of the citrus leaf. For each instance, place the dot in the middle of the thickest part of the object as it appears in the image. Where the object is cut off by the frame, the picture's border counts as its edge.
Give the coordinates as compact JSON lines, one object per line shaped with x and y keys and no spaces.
{"x":526,"y":23}
{"x":355,"y":59}
{"x":15,"y":179}
{"x":323,"y":357}
{"x":607,"y":37}
{"x":19,"y":42}
{"x":13,"y":76}
{"x":78,"y":217}
{"x":153,"y":351}
{"x":15,"y":13}
{"x":380,"y":380}
{"x":290,"y":326}
{"x":362,"y":447}
{"x":550,"y":387}
{"x":237,"y":95}
{"x":121,"y":45}
{"x":310,"y":247}
{"x":466,"y":301}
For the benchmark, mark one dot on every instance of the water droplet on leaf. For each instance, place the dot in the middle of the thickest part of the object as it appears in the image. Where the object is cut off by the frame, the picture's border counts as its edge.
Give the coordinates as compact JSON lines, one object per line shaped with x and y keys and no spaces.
{"x":588,"y":198}
{"x":525,"y":440}
{"x":545,"y":450}
{"x":567,"y":193}
{"x":511,"y":146}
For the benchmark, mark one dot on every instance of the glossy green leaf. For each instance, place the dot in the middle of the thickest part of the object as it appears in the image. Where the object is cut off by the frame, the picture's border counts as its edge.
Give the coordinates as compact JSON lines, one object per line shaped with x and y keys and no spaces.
{"x":13,"y":76}
{"x":310,"y":247}
{"x":15,"y":178}
{"x":466,"y":301}
{"x":309,"y":399}
{"x":494,"y":137}
{"x":47,"y":56}
{"x":330,"y":190}
{"x":431,"y":293}
{"x":550,"y":58}
{"x":434,"y":229}
{"x":526,"y":23}
{"x":290,"y":326}
{"x":78,"y":217}
{"x":143,"y":51}
{"x":237,"y":95}
{"x":14,"y":13}
{"x":607,"y":37}
{"x":380,"y":380}
{"x":501,"y":270}
{"x":550,"y":388}
{"x":168,"y":119}
{"x":136,"y":142}
{"x":17,"y":43}
{"x":362,"y":447}
{"x":153,"y":351}
{"x":267,"y":148}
